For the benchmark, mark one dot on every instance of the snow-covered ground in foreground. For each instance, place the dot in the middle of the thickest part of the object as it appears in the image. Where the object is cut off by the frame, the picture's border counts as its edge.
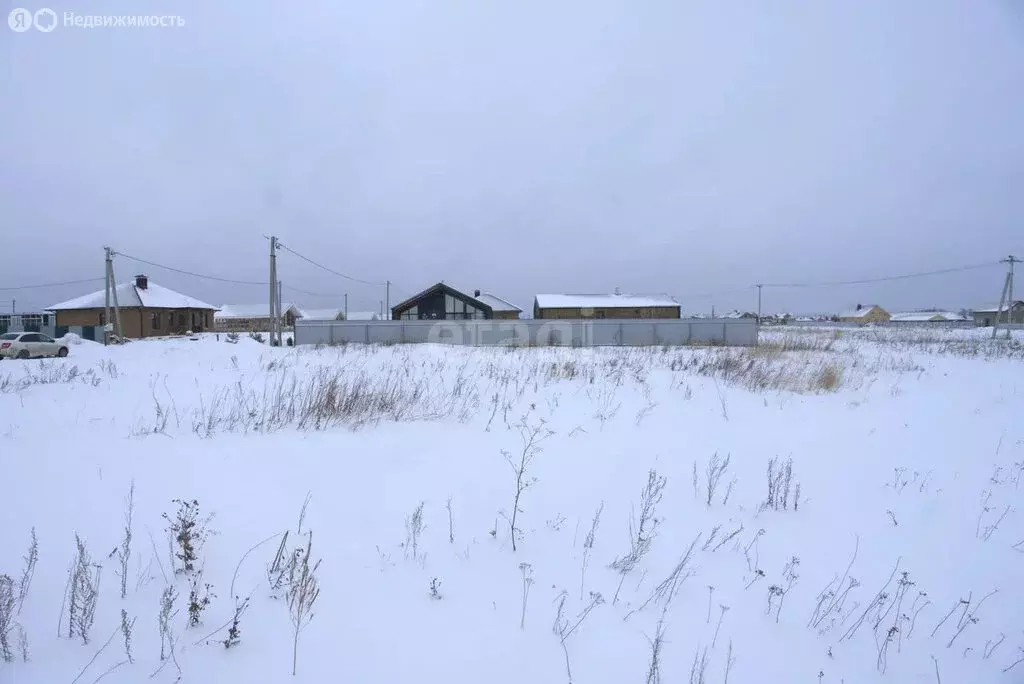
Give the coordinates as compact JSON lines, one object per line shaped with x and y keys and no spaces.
{"x":895,"y":553}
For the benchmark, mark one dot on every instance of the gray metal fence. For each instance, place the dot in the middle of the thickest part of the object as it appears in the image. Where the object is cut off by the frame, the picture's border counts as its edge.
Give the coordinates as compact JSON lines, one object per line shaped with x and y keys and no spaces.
{"x":575,"y":333}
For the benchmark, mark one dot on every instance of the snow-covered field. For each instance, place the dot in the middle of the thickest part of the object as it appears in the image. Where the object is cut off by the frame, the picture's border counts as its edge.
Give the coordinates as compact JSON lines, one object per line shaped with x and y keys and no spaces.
{"x":832,"y":506}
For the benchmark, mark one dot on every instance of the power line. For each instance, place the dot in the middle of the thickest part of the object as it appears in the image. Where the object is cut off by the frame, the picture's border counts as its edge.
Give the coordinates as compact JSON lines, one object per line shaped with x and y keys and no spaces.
{"x":329,"y":270}
{"x":219,"y":279}
{"x":286,"y":286}
{"x":883,"y":279}
{"x":189,"y":273}
{"x":45,"y":285}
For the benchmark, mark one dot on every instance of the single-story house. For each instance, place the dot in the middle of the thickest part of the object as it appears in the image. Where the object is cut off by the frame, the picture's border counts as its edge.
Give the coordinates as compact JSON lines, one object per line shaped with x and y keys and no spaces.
{"x":444,"y":302}
{"x":502,"y":308}
{"x":252,"y":317}
{"x":322,"y":314}
{"x":571,"y":306}
{"x":361,"y":316}
{"x":928,"y":317}
{"x":872,"y":313}
{"x":147,"y":310}
{"x":736,"y":313}
{"x":986,"y":315}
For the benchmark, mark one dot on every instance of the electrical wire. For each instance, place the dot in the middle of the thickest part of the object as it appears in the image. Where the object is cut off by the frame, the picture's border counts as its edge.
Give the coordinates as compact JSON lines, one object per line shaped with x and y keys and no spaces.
{"x":190,"y":273}
{"x":45,"y":285}
{"x":883,"y":279}
{"x":329,"y":270}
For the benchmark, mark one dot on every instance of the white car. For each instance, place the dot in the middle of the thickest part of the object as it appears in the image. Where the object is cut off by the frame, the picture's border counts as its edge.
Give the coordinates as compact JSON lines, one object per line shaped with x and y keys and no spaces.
{"x":29,"y":345}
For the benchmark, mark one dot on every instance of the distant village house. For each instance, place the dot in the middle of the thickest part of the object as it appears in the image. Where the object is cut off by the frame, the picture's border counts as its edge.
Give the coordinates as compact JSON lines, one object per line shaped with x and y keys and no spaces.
{"x":872,"y":313}
{"x":444,"y":302}
{"x":986,"y":316}
{"x":598,"y":306}
{"x":252,"y":317}
{"x":146,"y":310}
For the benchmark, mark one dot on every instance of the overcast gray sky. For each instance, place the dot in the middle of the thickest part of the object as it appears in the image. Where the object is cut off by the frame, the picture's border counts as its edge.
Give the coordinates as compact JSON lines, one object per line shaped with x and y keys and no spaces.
{"x":521,"y":146}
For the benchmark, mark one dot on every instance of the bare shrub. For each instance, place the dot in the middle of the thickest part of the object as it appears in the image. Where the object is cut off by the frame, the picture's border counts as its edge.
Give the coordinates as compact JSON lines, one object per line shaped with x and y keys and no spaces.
{"x":188,"y":531}
{"x":126,"y":632}
{"x":642,"y":530}
{"x":780,"y":485}
{"x":669,"y":587}
{"x":302,"y":596}
{"x":199,"y":597}
{"x":167,"y":613}
{"x":7,"y":612}
{"x":329,"y":396}
{"x":413,"y":530}
{"x":124,"y":550}
{"x":588,"y":545}
{"x":30,"y":558}
{"x":527,"y":572}
{"x":84,"y":589}
{"x":564,"y":627}
{"x":827,"y":379}
{"x":531,"y":436}
{"x":717,"y":467}
{"x":654,"y":666}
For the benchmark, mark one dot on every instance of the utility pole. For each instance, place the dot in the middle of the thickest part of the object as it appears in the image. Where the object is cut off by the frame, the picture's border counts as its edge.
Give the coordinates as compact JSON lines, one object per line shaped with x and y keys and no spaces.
{"x":112,"y":294}
{"x":346,"y":306}
{"x":106,"y":298}
{"x":1007,"y":296}
{"x":388,"y":297}
{"x":275,"y":338}
{"x":759,"y":286}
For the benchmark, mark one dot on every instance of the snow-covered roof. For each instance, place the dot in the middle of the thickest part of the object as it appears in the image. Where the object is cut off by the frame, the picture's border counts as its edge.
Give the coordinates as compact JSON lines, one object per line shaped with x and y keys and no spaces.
{"x":252,"y":310}
{"x":603,"y":301}
{"x":129,"y":296}
{"x":859,"y":313}
{"x":991,"y":308}
{"x":917,"y":316}
{"x":362,"y":316}
{"x":320,"y":314}
{"x":496,"y":303}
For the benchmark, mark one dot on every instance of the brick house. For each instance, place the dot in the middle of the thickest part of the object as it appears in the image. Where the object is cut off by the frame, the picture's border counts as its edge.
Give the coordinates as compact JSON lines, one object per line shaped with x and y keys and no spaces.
{"x":572,"y":306}
{"x":147,"y":310}
{"x":872,"y":313}
{"x":253,"y":317}
{"x":985,"y":317}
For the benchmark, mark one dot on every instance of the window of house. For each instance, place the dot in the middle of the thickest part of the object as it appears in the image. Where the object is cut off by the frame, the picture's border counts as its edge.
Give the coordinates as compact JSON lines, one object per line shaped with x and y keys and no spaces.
{"x":155,"y":320}
{"x":103,"y":317}
{"x":181,"y":320}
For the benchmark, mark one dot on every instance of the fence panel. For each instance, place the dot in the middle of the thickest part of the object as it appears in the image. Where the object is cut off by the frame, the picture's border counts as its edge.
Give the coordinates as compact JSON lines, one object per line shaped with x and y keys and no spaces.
{"x":576,"y":333}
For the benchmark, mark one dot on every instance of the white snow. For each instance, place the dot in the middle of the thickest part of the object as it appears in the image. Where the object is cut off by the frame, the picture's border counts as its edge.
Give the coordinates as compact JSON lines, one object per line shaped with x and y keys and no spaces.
{"x":572,"y":301}
{"x":251,"y":310}
{"x":991,"y":308}
{"x":362,"y":316}
{"x":907,"y":449}
{"x":128,"y":295}
{"x":921,"y":316}
{"x":859,"y":313}
{"x":320,"y":314}
{"x":496,"y":303}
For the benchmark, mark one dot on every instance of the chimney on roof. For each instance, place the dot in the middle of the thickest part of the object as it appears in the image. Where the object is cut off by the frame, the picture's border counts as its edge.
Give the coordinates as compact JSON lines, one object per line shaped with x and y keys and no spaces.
{"x":141,"y":282}
{"x":476,"y":293}
{"x":859,"y":307}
